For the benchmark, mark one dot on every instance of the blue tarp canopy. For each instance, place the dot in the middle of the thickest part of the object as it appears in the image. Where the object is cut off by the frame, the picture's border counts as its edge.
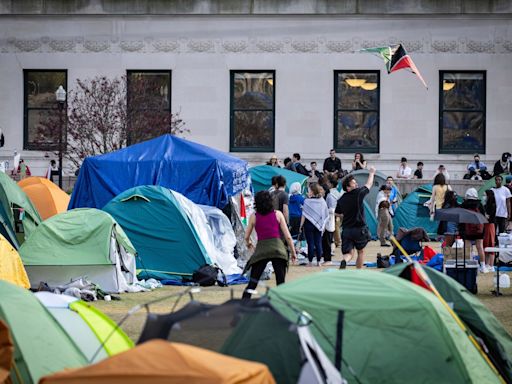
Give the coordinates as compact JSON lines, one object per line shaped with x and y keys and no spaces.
{"x":202,"y":174}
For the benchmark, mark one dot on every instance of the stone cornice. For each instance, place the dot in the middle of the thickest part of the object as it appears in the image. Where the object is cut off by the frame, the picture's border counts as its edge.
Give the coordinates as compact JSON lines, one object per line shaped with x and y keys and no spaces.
{"x":318,"y":45}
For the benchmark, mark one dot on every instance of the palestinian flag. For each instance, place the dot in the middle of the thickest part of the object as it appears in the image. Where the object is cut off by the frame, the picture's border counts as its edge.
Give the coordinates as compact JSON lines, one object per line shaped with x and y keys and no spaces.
{"x":243,"y":212}
{"x":395,"y":58}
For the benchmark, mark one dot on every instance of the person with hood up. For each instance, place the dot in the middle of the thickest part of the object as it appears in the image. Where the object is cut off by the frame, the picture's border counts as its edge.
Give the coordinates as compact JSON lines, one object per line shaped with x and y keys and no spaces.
{"x":295,"y":203}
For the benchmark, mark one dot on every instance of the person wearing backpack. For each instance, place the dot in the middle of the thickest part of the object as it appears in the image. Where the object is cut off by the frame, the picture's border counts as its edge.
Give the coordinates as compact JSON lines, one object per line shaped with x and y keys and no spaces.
{"x":473,"y":232}
{"x":299,"y":168}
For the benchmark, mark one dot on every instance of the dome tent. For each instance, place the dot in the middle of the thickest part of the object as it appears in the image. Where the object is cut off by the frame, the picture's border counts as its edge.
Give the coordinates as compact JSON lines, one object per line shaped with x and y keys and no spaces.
{"x":181,"y":239}
{"x":261,"y":177}
{"x":46,"y":196}
{"x":202,"y":174}
{"x":80,"y":242}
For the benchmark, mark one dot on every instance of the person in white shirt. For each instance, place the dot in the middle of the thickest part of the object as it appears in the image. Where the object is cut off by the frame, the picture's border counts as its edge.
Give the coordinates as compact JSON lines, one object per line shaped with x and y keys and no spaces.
{"x":442,"y":169}
{"x":404,"y":172}
{"x":502,"y":196}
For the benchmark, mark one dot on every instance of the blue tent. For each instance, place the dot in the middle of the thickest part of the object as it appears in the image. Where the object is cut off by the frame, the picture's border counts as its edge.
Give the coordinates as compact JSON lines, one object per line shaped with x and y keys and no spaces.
{"x":202,"y":174}
{"x":412,"y":213}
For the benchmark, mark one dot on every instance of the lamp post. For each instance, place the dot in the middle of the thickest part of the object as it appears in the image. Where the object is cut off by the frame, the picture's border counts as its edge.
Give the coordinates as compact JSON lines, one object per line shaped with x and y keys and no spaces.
{"x":60,"y":96}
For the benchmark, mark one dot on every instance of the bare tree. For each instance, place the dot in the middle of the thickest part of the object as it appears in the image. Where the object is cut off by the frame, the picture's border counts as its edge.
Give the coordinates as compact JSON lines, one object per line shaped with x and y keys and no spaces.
{"x":102,"y":116}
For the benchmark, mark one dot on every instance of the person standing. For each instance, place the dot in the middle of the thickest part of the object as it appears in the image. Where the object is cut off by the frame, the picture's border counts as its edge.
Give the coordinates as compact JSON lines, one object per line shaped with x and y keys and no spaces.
{"x":52,"y":170}
{"x":393,"y":196}
{"x":355,"y":232}
{"x":502,"y":196}
{"x":382,"y":207}
{"x":314,"y":217}
{"x":449,"y":229}
{"x":473,"y":232}
{"x":280,"y":197}
{"x":404,"y":171}
{"x":295,"y":203}
{"x":487,"y":265}
{"x":359,"y":162}
{"x":330,"y":226}
{"x":332,"y":164}
{"x":269,"y":225}
{"x":438,"y":191}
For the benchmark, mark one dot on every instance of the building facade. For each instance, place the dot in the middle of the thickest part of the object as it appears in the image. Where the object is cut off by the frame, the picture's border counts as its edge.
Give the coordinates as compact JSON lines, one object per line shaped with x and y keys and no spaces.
{"x":261,"y":77}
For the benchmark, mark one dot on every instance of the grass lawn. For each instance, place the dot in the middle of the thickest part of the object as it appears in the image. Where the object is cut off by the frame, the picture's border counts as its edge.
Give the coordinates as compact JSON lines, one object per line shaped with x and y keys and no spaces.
{"x":500,"y":306}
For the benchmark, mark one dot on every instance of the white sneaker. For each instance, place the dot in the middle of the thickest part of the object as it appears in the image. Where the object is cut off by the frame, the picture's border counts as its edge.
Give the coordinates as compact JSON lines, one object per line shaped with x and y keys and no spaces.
{"x":482,"y":268}
{"x":491,"y":268}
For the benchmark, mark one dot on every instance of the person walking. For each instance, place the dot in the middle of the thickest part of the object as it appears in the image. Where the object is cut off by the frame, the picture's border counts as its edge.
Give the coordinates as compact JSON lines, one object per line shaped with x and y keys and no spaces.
{"x":314,"y":217}
{"x":269,"y":224}
{"x":502,"y":196}
{"x":350,"y":206}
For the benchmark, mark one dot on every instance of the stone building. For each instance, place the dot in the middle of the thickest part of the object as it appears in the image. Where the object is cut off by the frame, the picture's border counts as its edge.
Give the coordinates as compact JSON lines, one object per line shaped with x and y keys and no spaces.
{"x":261,"y":77}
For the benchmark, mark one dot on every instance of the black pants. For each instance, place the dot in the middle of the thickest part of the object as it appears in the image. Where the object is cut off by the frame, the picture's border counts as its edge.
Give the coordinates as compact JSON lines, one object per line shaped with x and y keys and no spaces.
{"x":326,"y":245}
{"x":257,"y":270}
{"x":501,"y":225}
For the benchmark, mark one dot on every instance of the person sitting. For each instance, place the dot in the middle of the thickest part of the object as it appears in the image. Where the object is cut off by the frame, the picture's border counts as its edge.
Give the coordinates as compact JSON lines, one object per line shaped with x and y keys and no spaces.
{"x":442,"y":169}
{"x":404,"y":172}
{"x":332,"y":164}
{"x":503,"y":165}
{"x":274,"y":162}
{"x":418,"y":173}
{"x":288,"y":164}
{"x":477,"y":170}
{"x":359,"y":162}
{"x":299,"y":168}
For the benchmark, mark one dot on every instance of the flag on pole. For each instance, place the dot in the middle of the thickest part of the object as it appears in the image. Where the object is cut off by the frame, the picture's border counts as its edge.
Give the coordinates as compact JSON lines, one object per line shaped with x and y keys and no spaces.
{"x":243,"y":212}
{"x":395,"y":58}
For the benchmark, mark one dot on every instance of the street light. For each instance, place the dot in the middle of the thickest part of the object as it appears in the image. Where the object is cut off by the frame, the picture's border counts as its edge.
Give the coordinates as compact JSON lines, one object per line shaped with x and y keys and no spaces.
{"x":60,"y":96}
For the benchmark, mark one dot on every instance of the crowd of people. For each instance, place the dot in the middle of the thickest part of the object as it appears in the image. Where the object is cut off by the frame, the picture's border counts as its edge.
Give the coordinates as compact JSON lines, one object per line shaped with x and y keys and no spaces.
{"x":328,"y":217}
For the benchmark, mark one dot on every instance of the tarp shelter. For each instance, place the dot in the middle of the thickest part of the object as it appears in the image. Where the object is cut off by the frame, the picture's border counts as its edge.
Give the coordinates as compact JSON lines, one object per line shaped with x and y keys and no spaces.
{"x":202,"y":174}
{"x":18,"y":216}
{"x":261,"y":177}
{"x":41,"y":346}
{"x":11,"y":267}
{"x":253,"y":331}
{"x":472,"y":312}
{"x":93,"y":332}
{"x":413,"y":213}
{"x":46,"y":196}
{"x":159,"y":362}
{"x":170,"y":232}
{"x":78,"y":243}
{"x":393,"y":331}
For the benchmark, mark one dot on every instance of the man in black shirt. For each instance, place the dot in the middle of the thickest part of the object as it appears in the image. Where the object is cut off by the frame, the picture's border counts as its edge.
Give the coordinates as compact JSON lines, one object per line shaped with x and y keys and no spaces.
{"x":332,"y":164}
{"x":418,"y":173}
{"x":350,"y":206}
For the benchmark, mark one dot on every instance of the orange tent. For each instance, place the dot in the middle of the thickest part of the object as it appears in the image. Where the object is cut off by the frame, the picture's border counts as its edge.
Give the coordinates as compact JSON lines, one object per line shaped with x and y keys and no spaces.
{"x":46,"y":196}
{"x":158,"y":361}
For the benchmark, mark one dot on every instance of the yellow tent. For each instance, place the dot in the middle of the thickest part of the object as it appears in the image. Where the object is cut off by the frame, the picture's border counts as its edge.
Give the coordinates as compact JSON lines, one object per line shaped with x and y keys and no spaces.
{"x":11,"y":267}
{"x":158,"y":361}
{"x":46,"y":196}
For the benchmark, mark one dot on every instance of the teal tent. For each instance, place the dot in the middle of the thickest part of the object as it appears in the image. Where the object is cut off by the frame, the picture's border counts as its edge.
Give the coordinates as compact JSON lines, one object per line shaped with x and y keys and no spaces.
{"x":412,"y":212}
{"x":261,"y":177}
{"x":165,"y":237}
{"x":472,"y":312}
{"x":392,"y":331}
{"x":378,"y":180}
{"x":41,"y":345}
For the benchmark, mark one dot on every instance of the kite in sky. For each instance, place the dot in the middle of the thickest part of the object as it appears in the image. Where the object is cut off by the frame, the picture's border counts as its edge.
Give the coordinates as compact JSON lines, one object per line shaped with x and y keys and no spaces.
{"x":396,"y":57}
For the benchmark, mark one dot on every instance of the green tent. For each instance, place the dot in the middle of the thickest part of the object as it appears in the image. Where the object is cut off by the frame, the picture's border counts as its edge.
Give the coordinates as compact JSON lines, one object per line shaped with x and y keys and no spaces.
{"x":42,"y":347}
{"x":15,"y":209}
{"x":261,"y":177}
{"x":412,"y":213}
{"x":81,"y":242}
{"x":393,"y":331}
{"x":167,"y":240}
{"x":474,"y":314}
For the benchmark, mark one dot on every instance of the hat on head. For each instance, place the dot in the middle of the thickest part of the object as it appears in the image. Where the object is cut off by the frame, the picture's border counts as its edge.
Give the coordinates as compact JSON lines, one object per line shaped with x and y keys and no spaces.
{"x":471,"y":194}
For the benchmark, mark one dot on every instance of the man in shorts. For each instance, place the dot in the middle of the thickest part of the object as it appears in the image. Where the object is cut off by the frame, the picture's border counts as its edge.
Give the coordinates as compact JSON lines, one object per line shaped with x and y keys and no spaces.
{"x":350,"y":206}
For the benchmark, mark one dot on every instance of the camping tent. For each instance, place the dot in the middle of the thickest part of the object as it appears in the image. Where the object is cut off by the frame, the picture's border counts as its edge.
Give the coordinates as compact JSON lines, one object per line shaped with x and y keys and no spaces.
{"x":42,"y":347}
{"x":202,"y":174}
{"x":159,"y":362}
{"x":11,"y":267}
{"x":18,"y":217}
{"x":180,"y":239}
{"x":412,"y":212}
{"x":475,"y":315}
{"x":93,"y":332}
{"x":249,"y":330}
{"x":379,"y":180}
{"x":46,"y":196}
{"x":77,"y":243}
{"x":261,"y":177}
{"x":392,"y":330}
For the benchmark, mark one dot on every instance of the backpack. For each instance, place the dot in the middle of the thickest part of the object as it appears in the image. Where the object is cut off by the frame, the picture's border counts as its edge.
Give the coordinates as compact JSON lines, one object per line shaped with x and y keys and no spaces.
{"x":301,"y":169}
{"x":473,"y":229}
{"x":205,"y":276}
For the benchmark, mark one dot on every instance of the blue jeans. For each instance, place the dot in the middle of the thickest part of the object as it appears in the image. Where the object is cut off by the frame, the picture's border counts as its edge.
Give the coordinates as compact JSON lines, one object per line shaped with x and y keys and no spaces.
{"x":314,"y":240}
